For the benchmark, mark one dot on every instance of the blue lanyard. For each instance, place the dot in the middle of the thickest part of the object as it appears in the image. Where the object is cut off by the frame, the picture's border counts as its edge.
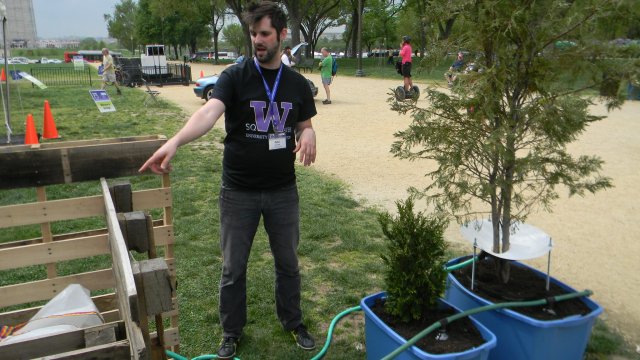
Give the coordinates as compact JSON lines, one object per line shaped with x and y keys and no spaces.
{"x":273,"y":108}
{"x":270,"y":94}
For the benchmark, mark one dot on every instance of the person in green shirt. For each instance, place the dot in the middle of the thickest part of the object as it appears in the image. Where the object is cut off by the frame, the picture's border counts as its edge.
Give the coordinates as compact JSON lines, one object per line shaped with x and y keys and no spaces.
{"x":325,"y":73}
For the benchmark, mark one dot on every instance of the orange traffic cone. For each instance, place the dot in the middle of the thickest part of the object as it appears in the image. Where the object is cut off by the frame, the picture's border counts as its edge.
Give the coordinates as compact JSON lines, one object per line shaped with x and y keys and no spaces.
{"x":31,"y":137}
{"x":3,"y":76}
{"x":201,"y":73}
{"x":49,"y":130}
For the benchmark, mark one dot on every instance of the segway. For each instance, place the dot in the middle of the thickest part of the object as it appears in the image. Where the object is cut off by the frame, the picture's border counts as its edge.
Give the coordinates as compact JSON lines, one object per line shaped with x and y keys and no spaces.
{"x":402,"y":94}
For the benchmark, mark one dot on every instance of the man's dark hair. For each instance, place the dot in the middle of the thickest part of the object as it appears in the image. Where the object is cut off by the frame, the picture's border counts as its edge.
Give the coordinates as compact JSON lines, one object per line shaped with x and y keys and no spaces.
{"x":256,"y":12}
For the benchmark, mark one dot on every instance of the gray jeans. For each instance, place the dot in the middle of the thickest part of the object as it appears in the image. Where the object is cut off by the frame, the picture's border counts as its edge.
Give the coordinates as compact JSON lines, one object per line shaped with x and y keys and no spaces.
{"x":240,"y":212}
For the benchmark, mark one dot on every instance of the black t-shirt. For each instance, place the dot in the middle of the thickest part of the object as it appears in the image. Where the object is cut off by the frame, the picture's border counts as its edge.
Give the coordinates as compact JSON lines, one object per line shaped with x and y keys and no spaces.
{"x":247,"y":162}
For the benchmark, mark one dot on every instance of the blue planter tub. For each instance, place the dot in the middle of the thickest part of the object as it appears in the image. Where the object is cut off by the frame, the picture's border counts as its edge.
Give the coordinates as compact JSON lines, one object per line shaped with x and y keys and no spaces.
{"x":382,"y":340}
{"x":521,"y":337}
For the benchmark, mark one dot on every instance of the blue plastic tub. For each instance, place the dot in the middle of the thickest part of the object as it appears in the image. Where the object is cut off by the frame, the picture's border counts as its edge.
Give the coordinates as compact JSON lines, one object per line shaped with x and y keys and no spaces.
{"x":521,"y":337}
{"x":382,"y":340}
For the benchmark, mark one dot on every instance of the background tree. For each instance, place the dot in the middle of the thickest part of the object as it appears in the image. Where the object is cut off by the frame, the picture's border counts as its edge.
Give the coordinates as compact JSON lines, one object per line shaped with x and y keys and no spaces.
{"x":235,"y":37}
{"x":352,"y":29}
{"x":183,"y":24}
{"x":121,"y":24}
{"x":500,"y":137}
{"x":218,"y":16}
{"x":149,"y":29}
{"x":237,"y":8}
{"x":89,"y":44}
{"x":380,"y":22}
{"x":319,"y":16}
{"x":295,"y":11}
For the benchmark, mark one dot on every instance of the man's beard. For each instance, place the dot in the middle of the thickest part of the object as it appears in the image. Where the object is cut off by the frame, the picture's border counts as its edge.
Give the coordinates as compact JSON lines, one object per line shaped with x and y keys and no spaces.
{"x":269,"y":55}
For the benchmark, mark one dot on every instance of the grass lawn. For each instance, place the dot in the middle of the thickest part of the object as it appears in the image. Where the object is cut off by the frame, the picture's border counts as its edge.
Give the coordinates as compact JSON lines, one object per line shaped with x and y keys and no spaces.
{"x":340,"y":239}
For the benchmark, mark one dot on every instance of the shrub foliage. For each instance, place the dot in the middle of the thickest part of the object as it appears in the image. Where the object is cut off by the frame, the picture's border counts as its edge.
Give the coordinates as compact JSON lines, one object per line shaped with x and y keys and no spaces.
{"x":414,"y":259}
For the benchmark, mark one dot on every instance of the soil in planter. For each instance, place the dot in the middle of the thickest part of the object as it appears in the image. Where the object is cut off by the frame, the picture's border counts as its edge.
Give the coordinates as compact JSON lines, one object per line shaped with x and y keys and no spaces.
{"x":462,"y":334}
{"x":523,"y":285}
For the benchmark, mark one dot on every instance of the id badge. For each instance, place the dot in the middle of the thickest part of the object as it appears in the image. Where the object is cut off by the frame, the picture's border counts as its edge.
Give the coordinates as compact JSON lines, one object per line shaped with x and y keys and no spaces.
{"x":277,"y":141}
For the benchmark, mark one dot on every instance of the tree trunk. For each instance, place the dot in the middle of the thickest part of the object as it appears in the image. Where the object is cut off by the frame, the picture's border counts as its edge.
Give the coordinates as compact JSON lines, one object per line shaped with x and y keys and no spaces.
{"x":445,"y":31}
{"x":295,"y":18}
{"x":216,"y":34}
{"x":355,"y":16}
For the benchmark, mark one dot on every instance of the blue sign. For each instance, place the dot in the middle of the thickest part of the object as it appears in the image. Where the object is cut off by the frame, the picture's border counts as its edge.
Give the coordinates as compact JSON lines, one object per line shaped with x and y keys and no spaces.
{"x":102,"y":100}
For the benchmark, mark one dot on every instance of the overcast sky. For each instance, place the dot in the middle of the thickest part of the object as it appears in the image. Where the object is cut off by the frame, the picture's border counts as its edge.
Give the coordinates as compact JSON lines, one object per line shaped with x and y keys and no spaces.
{"x":78,"y":18}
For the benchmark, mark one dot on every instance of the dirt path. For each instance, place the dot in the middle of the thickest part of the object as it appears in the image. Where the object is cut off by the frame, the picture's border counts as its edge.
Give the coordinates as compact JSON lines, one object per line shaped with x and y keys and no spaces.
{"x":595,"y":242}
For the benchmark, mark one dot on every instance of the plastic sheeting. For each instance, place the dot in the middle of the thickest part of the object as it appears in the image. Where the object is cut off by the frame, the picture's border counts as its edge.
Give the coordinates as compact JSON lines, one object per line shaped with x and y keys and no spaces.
{"x":526,"y":241}
{"x":71,"y":309}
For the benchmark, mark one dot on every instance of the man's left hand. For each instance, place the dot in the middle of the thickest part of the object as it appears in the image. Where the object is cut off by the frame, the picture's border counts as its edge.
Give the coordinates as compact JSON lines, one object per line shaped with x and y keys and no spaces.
{"x":306,"y":146}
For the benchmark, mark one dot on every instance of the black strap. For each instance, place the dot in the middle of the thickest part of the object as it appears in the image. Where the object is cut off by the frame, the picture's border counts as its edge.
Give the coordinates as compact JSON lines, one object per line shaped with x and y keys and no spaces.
{"x":551,"y":300}
{"x":443,"y":323}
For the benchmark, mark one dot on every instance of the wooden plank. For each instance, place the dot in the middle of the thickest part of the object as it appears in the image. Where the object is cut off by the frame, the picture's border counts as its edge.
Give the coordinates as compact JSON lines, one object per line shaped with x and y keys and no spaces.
{"x":45,"y":229}
{"x":152,"y":277}
{"x":171,"y":337}
{"x":135,"y":230}
{"x":78,"y":143}
{"x":17,"y":257}
{"x":76,"y":208}
{"x":141,"y":318}
{"x":112,"y":315}
{"x":50,"y":211}
{"x":125,"y":283}
{"x":163,"y":234}
{"x":47,"y":289}
{"x":29,"y":167}
{"x":59,"y":343}
{"x":121,"y":196}
{"x":116,"y":350}
{"x":152,"y":199}
{"x":169,"y":252}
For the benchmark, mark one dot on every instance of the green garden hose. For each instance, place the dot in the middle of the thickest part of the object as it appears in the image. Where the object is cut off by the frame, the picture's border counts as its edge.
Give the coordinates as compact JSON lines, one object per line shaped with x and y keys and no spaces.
{"x":457,"y":316}
{"x":175,"y":356}
{"x":461,"y":265}
{"x":330,"y":332}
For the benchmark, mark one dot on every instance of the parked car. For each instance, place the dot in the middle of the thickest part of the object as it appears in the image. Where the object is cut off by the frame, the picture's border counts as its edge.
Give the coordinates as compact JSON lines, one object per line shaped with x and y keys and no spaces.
{"x":50,"y":61}
{"x":24,"y":60}
{"x":17,"y":61}
{"x":204,"y":87}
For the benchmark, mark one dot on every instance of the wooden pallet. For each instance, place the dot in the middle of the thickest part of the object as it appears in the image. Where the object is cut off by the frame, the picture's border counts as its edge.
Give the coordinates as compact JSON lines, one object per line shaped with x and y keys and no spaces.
{"x":122,"y":301}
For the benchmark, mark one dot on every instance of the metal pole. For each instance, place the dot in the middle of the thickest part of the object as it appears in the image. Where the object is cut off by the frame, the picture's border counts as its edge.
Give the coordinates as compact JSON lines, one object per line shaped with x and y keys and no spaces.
{"x":359,"y":71}
{"x":7,"y":116}
{"x":549,"y":265}
{"x":473,"y":264}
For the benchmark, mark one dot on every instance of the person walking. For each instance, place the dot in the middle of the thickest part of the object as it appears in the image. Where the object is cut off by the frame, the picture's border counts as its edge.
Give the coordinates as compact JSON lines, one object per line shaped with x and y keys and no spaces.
{"x":109,"y":71}
{"x":326,"y":65}
{"x":287,"y":58}
{"x":268,"y":109}
{"x":405,"y":54}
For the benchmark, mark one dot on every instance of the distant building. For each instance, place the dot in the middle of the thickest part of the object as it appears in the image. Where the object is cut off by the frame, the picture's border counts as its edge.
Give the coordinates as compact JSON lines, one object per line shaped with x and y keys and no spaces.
{"x":21,"y":24}
{"x":59,"y":43}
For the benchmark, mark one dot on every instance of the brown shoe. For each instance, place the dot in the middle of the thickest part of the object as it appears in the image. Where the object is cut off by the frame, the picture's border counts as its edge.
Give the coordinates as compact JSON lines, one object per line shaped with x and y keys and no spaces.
{"x":326,"y":102}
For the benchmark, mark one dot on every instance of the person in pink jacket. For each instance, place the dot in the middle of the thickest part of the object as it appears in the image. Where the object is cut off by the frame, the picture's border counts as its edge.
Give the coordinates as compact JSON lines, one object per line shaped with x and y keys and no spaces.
{"x":405,"y":54}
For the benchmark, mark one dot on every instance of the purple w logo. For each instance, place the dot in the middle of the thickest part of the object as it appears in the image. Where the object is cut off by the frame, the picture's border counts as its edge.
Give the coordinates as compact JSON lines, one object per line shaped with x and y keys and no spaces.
{"x":271,"y":116}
